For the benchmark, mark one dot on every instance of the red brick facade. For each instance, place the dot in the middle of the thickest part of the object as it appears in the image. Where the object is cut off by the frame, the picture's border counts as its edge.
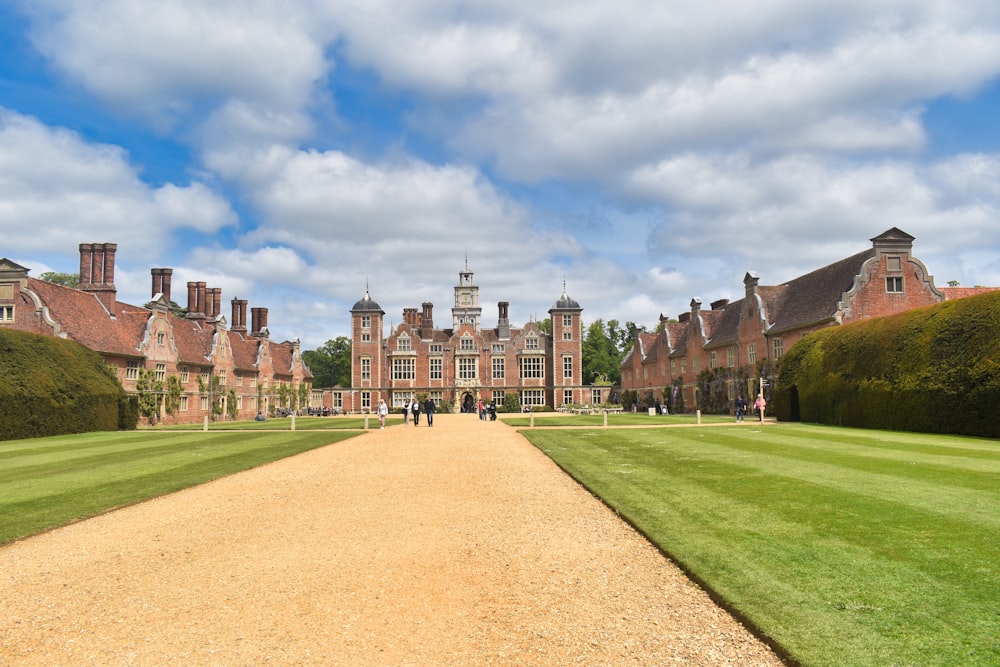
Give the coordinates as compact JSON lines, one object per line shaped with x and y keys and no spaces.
{"x":753,"y":333}
{"x":466,"y":362}
{"x":240,"y":371}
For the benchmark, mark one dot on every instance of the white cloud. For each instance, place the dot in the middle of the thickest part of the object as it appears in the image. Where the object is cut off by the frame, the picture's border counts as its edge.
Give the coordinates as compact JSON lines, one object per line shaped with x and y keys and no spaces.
{"x":59,"y":190}
{"x":163,"y":58}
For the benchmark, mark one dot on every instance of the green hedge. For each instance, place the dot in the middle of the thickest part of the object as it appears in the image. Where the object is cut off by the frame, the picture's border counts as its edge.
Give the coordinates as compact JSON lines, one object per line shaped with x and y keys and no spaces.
{"x":50,"y":386}
{"x":934,"y":369}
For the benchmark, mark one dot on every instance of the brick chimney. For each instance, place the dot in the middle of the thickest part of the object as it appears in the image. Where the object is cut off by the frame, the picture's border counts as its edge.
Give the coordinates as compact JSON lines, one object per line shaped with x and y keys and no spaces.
{"x":239,"y":323}
{"x":196,"y":300}
{"x":161,"y":282}
{"x":503,"y":320}
{"x":427,"y":320}
{"x":97,"y":272}
{"x":259,"y":322}
{"x":213,"y":302}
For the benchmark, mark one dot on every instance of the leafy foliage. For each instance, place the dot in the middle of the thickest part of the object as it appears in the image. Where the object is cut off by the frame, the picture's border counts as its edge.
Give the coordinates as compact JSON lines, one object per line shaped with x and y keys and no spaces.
{"x":330,"y":363}
{"x":934,"y":369}
{"x":67,"y":279}
{"x":601,"y":356}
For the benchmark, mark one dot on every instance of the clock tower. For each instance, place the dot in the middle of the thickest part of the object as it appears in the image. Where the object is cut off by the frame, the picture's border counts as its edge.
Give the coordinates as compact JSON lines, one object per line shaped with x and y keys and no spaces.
{"x":466,"y":309}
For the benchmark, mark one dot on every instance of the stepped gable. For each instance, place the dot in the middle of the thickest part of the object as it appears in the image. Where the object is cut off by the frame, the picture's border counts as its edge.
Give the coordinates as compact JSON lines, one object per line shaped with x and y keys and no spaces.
{"x":815,"y":296}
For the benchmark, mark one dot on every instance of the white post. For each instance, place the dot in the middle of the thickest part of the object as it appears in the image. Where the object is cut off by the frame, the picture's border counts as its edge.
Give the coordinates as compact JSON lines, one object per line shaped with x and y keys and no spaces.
{"x":605,"y":419}
{"x":366,"y":421}
{"x":532,"y":420}
{"x":204,"y":426}
{"x":697,"y":414}
{"x":293,"y":421}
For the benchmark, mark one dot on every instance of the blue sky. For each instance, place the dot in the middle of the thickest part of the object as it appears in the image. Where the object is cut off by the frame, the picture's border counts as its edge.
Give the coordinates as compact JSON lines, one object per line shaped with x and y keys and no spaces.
{"x":645,"y":153}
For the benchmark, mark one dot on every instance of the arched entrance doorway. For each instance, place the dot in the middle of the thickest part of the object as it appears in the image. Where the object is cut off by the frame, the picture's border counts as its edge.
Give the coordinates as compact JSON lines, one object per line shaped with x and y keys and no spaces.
{"x":468,"y":403}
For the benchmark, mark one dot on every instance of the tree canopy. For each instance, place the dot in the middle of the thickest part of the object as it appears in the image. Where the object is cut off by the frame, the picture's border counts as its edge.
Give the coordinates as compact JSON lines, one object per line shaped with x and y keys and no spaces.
{"x":331,"y":363}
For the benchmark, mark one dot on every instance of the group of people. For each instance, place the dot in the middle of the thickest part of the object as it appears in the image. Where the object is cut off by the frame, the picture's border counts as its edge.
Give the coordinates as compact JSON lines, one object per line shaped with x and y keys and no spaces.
{"x":487,"y":411}
{"x":742,"y":405}
{"x":411,"y":408}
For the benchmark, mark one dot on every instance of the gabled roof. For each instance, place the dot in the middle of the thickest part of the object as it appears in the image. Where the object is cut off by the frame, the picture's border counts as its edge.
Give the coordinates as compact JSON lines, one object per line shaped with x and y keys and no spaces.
{"x":726,"y":325}
{"x":83,"y":318}
{"x":813,"y":297}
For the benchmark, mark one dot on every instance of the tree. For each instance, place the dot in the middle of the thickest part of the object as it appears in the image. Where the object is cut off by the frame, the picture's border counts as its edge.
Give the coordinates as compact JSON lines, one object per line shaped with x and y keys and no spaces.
{"x":330,"y":363}
{"x":545,"y":326}
{"x":601,"y":357}
{"x":149,"y":390}
{"x":67,"y":279}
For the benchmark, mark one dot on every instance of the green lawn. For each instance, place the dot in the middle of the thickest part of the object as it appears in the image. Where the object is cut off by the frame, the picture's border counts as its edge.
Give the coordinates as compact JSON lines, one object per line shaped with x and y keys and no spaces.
{"x":48,"y":482}
{"x":845,"y":547}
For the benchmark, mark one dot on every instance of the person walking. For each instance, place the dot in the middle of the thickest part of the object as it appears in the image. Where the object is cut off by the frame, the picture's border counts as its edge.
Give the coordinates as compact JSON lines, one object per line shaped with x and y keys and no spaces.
{"x":382,"y":410}
{"x":429,"y":409}
{"x":406,"y":413}
{"x":415,"y":409}
{"x":759,"y":405}
{"x":741,"y":408}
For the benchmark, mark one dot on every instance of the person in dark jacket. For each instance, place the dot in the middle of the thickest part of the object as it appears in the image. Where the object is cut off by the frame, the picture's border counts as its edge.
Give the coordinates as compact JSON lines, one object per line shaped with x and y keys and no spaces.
{"x":429,"y":409}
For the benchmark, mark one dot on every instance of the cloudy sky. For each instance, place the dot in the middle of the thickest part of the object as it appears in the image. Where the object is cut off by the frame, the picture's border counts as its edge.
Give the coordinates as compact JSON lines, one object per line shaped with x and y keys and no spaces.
{"x":644,"y":152}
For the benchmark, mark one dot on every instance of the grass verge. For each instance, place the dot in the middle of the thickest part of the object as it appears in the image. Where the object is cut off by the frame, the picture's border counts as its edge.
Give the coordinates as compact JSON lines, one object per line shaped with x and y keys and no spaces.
{"x":48,"y":482}
{"x":843,"y":546}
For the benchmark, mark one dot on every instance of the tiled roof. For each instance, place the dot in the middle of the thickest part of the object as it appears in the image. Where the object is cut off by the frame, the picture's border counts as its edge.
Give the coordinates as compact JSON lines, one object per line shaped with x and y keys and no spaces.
{"x":245,"y":351}
{"x":813,"y":297}
{"x":726,"y":324}
{"x":84,"y":319}
{"x":281,"y":358}
{"x":193,"y":340}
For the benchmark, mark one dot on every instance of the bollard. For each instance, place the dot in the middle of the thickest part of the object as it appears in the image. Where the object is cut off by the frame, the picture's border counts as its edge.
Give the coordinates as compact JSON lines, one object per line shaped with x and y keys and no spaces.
{"x":293,"y":421}
{"x":605,"y":419}
{"x":698,"y":415}
{"x":532,"y":420}
{"x":205,"y":425}
{"x":366,"y":421}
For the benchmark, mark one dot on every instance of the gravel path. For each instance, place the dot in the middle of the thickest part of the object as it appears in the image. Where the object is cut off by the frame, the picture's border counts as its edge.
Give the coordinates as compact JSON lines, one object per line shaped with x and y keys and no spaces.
{"x":455,"y":545}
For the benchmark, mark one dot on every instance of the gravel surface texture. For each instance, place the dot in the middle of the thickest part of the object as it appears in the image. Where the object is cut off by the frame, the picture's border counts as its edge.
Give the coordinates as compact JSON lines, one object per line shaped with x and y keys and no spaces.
{"x":460,"y":544}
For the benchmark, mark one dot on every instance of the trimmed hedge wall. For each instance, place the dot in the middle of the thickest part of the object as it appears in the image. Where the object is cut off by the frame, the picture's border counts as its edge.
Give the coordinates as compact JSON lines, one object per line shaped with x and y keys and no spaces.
{"x":934,"y":369}
{"x":50,"y":386}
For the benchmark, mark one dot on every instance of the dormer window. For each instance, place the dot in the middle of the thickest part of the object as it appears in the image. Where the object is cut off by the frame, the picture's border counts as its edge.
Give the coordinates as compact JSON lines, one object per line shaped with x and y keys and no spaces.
{"x":467,"y":344}
{"x":531,"y":342}
{"x":403,"y":344}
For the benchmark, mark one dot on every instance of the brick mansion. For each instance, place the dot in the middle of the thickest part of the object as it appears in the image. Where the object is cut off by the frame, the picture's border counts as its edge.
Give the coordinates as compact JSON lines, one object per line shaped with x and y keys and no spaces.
{"x":214,"y":362}
{"x":467,"y":361}
{"x":751,"y":334}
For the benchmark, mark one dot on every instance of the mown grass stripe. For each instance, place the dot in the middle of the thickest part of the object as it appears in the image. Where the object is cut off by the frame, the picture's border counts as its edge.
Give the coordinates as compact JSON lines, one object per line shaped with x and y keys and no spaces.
{"x":87,"y":485}
{"x":841,"y":558}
